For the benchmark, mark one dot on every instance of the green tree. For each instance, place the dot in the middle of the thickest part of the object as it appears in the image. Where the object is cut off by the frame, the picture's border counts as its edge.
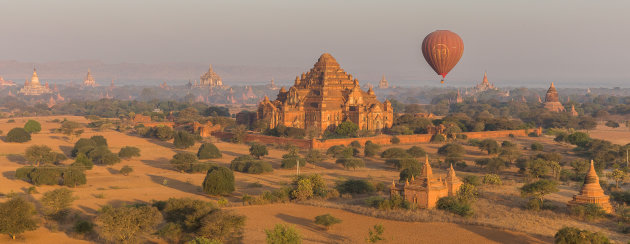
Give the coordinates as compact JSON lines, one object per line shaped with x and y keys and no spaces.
{"x":347,"y":129}
{"x":126,"y":170}
{"x":219,"y":180}
{"x":537,"y":168}
{"x":490,"y":146}
{"x":618,"y":175}
{"x":56,"y":203}
{"x":258,"y":150}
{"x":314,"y":156}
{"x":283,"y":234}
{"x":183,"y":139}
{"x":416,"y":152}
{"x":375,"y":234}
{"x":536,"y":146}
{"x":73,"y":177}
{"x":163,"y":133}
{"x":223,"y":226}
{"x":572,"y":235}
{"x":124,"y":224}
{"x":351,"y":162}
{"x":39,"y":154}
{"x":16,"y":217}
{"x":18,"y":135}
{"x":578,"y":138}
{"x":82,"y":162}
{"x":32,"y":126}
{"x":370,"y":149}
{"x":208,"y":151}
{"x":184,"y":161}
{"x":326,"y":220}
{"x":46,"y":175}
{"x":539,"y":189}
{"x":68,"y":127}
{"x":129,"y":152}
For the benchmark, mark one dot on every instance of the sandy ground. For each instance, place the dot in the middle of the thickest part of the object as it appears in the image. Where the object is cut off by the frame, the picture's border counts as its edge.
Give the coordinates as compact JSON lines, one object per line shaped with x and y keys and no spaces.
{"x":619,"y":135}
{"x":153,"y":178}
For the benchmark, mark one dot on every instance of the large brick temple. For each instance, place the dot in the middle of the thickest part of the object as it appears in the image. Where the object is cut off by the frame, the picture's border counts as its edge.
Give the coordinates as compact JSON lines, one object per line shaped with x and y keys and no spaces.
{"x":552,"y":100}
{"x":323,"y":98}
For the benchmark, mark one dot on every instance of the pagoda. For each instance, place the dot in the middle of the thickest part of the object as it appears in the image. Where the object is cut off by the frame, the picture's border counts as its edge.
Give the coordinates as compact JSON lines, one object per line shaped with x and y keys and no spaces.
{"x":323,"y":98}
{"x":573,"y":112}
{"x":4,"y":83}
{"x":89,"y":80}
{"x":383,"y":84}
{"x":485,"y":85}
{"x":552,"y":101}
{"x":427,"y":189}
{"x":592,"y":192}
{"x":210,"y":79}
{"x":34,"y":87}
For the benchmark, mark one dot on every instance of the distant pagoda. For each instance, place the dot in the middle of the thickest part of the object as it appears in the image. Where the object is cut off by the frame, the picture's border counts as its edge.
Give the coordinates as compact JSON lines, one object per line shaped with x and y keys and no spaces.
{"x":4,"y":83}
{"x":485,"y":85}
{"x":89,"y":80}
{"x":383,"y":84}
{"x":552,"y":101}
{"x":210,"y":79}
{"x":592,"y":192}
{"x":34,"y":87}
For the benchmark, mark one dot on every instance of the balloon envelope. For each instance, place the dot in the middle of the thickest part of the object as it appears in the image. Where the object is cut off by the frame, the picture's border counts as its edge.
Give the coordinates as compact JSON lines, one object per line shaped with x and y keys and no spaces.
{"x":442,"y":49}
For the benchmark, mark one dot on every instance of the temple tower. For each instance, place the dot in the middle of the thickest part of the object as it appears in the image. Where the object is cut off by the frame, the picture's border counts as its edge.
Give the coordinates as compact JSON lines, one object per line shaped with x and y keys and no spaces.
{"x":552,"y":102}
{"x":592,"y":192}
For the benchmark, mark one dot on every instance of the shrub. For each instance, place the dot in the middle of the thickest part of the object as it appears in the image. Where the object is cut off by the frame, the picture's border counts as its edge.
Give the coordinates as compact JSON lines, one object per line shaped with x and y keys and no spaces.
{"x":409,"y":172}
{"x":351,"y":162}
{"x":308,"y":186}
{"x":82,"y":162}
{"x":16,"y":217}
{"x":438,"y":138}
{"x":32,"y":126}
{"x":18,"y":135}
{"x":340,"y":151}
{"x":128,"y":152}
{"x":258,"y":150}
{"x":356,"y":187}
{"x":83,"y":145}
{"x":394,"y":202}
{"x":571,"y":235}
{"x":588,"y":211}
{"x":454,"y":205}
{"x":171,"y":232}
{"x":395,"y":140}
{"x":247,"y":164}
{"x":539,"y":189}
{"x":394,"y":152}
{"x":536,"y":146}
{"x":492,"y":179}
{"x":403,"y":163}
{"x":375,"y":234}
{"x":103,"y":156}
{"x":371,"y":149}
{"x":200,"y":167}
{"x":314,"y":156}
{"x":416,"y":152}
{"x":99,"y":140}
{"x":219,"y":180}
{"x":183,"y":140}
{"x":163,"y":133}
{"x":56,"y":203}
{"x":183,"y":161}
{"x":24,"y":173}
{"x":83,"y":227}
{"x":291,"y":159}
{"x":355,"y":144}
{"x":124,"y":224}
{"x":208,"y":151}
{"x":347,"y":129}
{"x":326,"y":220}
{"x":73,"y":177}
{"x":472,"y":179}
{"x":48,"y":175}
{"x":283,"y":234}
{"x":126,"y":170}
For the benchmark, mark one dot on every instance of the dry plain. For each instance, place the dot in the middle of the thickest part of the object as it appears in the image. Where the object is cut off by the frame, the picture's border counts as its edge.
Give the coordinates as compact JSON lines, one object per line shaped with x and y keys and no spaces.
{"x":154,"y":179}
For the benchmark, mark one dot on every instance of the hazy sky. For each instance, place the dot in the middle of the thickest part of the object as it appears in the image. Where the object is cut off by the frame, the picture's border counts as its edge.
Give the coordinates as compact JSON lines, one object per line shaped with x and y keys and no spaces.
{"x":571,"y":42}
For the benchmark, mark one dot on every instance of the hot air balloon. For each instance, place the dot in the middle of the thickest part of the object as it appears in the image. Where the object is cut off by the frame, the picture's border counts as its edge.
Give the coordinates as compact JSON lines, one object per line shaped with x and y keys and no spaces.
{"x":442,"y":49}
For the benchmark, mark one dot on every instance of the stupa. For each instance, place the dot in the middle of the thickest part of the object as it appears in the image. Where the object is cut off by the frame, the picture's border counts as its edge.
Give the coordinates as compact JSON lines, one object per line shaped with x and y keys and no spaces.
{"x":552,"y":101}
{"x":89,"y":80}
{"x":592,"y":192}
{"x":210,"y":79}
{"x":383,"y":84}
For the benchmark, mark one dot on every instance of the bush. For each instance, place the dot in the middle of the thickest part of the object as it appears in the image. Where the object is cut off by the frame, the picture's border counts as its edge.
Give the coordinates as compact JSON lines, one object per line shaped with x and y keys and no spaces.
{"x":536,"y":146}
{"x":416,"y":152}
{"x":492,"y":179}
{"x":356,"y":187}
{"x":355,"y":144}
{"x":347,"y":129}
{"x":308,"y":186}
{"x":454,"y":205}
{"x":183,"y":140}
{"x":200,"y":167}
{"x":83,"y":145}
{"x":219,"y":180}
{"x":588,"y":211}
{"x":99,"y":140}
{"x":326,"y":220}
{"x":183,"y":161}
{"x":73,"y":177}
{"x":370,"y":149}
{"x":103,"y":156}
{"x":394,"y":152}
{"x":340,"y":151}
{"x":394,"y":202}
{"x":258,"y":150}
{"x":57,"y":203}
{"x":82,"y":162}
{"x":395,"y":140}
{"x":351,"y":162}
{"x":472,"y":179}
{"x":47,"y":175}
{"x":18,"y":135}
{"x":32,"y":126}
{"x":291,"y":159}
{"x":283,"y":234}
{"x":314,"y":156}
{"x":409,"y":172}
{"x":163,"y":133}
{"x":128,"y":152}
{"x":124,"y":224}
{"x":208,"y":151}
{"x":17,"y":216}
{"x":126,"y":170}
{"x":247,"y":164}
{"x":572,"y":235}
{"x":24,"y":173}
{"x":403,"y":163}
{"x":438,"y":138}
{"x":83,"y":227}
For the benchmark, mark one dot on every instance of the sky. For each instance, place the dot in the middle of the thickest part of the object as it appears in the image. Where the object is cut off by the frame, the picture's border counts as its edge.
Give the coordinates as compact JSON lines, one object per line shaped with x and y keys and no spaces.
{"x":569,"y":42}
